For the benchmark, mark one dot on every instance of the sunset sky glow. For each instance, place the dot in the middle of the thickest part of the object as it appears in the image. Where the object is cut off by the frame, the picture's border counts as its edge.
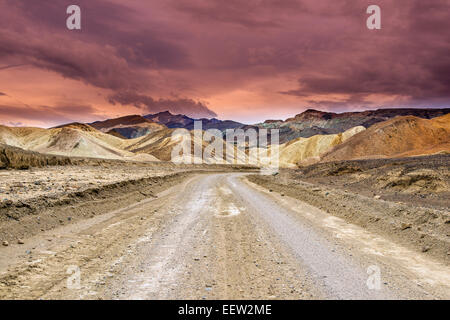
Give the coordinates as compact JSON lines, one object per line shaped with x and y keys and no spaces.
{"x":243,"y":60}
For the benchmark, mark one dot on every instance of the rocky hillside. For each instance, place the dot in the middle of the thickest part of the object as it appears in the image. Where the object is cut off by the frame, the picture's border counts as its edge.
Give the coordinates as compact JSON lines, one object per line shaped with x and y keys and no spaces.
{"x":313,"y":122}
{"x":182,"y":121}
{"x":398,"y":137}
{"x":304,"y":151}
{"x":128,"y":127}
{"x":17,"y":158}
{"x":72,"y":140}
{"x":401,"y":136}
{"x":161,"y":144}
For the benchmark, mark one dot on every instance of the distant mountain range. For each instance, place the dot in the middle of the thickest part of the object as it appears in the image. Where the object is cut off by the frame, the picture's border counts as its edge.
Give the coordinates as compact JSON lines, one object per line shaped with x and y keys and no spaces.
{"x":304,"y":125}
{"x":386,"y":133}
{"x":128,"y":127}
{"x":134,"y":126}
{"x":182,"y":121}
{"x":313,"y":122}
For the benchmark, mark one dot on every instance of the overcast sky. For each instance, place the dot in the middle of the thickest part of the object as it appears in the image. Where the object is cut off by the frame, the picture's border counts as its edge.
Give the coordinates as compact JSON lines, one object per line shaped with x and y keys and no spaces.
{"x":244,"y":60}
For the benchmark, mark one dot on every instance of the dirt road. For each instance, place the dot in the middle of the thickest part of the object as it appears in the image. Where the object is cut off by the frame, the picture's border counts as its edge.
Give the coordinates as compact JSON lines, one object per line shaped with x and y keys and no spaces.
{"x":217,"y":236}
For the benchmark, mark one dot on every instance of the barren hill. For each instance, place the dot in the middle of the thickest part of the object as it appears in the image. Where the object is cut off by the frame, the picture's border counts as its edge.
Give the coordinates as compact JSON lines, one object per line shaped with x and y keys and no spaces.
{"x":130,"y":127}
{"x":170,"y":120}
{"x":162,"y":143}
{"x":398,"y":137}
{"x":182,"y":121}
{"x":314,"y":122}
{"x":308,"y":150}
{"x":16,"y":158}
{"x":73,"y":140}
{"x":158,"y":144}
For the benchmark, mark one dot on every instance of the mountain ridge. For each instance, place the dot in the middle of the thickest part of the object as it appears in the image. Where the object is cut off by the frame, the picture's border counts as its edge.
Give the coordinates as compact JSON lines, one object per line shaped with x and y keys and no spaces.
{"x":398,"y":137}
{"x":131,"y":126}
{"x":312,"y":122}
{"x":182,"y":121}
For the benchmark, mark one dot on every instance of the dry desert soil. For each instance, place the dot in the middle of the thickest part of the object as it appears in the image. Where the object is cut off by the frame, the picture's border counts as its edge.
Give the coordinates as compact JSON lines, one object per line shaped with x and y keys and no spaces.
{"x":161,"y":231}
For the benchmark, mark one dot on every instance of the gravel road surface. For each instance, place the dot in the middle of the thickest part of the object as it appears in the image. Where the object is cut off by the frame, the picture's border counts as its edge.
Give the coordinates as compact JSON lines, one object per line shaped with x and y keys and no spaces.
{"x":217,"y":236}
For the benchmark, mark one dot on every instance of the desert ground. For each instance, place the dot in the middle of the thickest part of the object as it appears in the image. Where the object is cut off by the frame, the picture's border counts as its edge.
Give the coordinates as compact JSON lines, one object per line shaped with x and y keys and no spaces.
{"x":358,"y":208}
{"x":162,"y":231}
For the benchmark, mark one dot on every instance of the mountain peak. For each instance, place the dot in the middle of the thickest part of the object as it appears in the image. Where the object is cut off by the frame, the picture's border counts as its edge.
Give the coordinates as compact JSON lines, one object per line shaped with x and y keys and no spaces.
{"x":76,"y":125}
{"x":131,"y":126}
{"x":125,"y":120}
{"x":165,"y":113}
{"x":312,"y":114}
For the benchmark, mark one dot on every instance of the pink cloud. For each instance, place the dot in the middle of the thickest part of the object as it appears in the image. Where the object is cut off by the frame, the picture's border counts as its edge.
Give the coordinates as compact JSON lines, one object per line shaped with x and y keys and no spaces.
{"x":207,"y":49}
